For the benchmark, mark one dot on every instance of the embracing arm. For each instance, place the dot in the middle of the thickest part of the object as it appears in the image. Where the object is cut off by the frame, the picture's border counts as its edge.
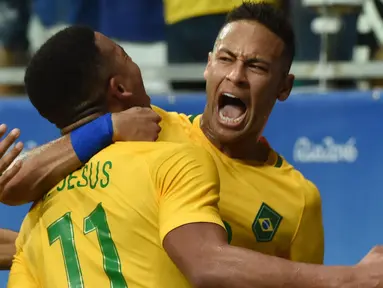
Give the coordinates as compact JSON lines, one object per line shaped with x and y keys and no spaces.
{"x":7,"y":248}
{"x":47,"y":165}
{"x":201,"y":252}
{"x":42,"y":168}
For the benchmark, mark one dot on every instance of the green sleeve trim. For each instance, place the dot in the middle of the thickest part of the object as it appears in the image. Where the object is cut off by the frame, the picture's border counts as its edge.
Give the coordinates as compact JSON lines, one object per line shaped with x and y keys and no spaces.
{"x":279,"y":162}
{"x":192,"y":117}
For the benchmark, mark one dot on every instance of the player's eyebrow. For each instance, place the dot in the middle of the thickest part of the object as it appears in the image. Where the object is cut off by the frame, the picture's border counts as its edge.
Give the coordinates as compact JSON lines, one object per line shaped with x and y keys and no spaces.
{"x":248,"y":61}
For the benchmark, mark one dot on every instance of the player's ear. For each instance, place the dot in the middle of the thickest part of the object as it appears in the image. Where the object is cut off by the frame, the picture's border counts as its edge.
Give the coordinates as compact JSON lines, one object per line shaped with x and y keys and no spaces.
{"x":286,"y":88}
{"x":207,"y":65}
{"x":117,"y":89}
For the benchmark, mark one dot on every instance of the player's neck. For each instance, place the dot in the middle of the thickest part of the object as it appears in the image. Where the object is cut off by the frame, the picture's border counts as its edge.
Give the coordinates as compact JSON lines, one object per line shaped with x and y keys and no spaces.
{"x":245,"y":150}
{"x":249,"y":149}
{"x":79,"y":123}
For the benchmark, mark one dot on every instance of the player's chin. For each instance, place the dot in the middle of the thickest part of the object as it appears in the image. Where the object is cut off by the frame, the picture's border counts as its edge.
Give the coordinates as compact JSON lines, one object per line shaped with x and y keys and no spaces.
{"x":228,"y":134}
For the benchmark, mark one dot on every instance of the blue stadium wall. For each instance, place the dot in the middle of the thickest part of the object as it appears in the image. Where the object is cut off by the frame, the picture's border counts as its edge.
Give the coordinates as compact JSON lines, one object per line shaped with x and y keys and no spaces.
{"x":334,"y":139}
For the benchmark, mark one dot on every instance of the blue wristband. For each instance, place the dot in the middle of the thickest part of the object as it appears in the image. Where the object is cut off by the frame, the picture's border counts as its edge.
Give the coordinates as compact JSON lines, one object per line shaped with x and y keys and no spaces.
{"x":92,"y":137}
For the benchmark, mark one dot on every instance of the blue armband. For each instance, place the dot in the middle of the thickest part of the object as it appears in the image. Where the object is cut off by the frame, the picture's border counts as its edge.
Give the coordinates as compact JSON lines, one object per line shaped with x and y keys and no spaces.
{"x":92,"y":137}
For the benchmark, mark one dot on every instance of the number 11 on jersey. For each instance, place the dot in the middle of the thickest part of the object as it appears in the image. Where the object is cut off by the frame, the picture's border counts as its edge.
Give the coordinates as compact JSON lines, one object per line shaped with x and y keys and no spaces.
{"x":62,"y":230}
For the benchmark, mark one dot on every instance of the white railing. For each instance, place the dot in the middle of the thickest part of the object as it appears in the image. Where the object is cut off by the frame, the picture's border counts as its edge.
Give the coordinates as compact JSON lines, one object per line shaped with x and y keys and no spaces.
{"x":302,"y":71}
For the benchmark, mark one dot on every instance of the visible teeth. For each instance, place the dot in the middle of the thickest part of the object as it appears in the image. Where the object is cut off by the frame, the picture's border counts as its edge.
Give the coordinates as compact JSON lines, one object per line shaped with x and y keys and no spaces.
{"x":228,"y":119}
{"x":229,"y":95}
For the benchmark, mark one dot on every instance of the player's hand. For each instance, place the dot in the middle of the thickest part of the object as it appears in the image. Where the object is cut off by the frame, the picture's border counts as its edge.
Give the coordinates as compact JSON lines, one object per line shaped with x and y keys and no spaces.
{"x":136,"y":124}
{"x":6,"y":161}
{"x":370,"y":269}
{"x":374,"y":256}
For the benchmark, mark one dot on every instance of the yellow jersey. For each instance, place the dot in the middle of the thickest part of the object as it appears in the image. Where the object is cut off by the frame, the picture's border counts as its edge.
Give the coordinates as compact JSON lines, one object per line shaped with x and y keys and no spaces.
{"x":178,"y":10}
{"x":271,"y":208}
{"x":103,"y":225}
{"x":20,"y":275}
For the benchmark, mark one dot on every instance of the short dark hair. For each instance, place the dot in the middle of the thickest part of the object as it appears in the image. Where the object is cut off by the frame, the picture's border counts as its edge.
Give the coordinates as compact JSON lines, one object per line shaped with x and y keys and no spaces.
{"x":63,"y":78}
{"x":272,"y":18}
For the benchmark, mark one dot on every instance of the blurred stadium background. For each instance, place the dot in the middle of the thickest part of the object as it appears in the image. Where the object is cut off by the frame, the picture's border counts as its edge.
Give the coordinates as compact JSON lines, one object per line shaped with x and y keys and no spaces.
{"x":329,"y":129}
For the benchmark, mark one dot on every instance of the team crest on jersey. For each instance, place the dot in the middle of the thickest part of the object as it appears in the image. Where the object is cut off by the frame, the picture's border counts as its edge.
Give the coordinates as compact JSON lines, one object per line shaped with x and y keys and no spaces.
{"x":266,"y":223}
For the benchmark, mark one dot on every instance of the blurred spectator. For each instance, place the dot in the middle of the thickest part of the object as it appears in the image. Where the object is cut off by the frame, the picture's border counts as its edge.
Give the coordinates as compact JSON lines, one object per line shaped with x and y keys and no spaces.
{"x":192,"y":26}
{"x":14,"y":18}
{"x":50,"y":16}
{"x":123,"y":20}
{"x":138,"y":26}
{"x":370,"y":38}
{"x":54,"y":12}
{"x":132,"y":21}
{"x":308,"y":43}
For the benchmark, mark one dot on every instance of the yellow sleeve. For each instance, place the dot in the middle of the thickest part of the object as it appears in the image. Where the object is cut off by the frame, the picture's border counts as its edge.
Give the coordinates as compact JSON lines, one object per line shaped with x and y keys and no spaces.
{"x":188,"y":186}
{"x":20,"y":276}
{"x":308,"y":243}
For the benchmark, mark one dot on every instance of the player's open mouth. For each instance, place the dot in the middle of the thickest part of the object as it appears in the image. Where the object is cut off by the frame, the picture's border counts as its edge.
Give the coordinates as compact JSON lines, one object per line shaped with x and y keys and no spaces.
{"x":231,"y":110}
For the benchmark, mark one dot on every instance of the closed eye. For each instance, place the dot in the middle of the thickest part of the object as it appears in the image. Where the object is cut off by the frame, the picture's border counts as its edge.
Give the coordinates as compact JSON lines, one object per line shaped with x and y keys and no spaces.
{"x":225,"y":59}
{"x":256,"y":67}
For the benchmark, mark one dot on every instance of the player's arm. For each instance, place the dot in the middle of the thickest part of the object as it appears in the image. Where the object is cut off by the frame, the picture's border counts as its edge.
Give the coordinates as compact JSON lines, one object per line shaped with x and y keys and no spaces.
{"x":202,"y":254}
{"x":194,"y":238}
{"x":20,"y":275}
{"x":47,"y":165}
{"x":308,"y":243}
{"x":42,"y":168}
{"x":7,"y":248}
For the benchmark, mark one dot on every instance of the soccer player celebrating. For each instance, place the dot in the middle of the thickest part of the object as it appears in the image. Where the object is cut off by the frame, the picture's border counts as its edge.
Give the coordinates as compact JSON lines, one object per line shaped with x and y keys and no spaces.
{"x":105,"y":225}
{"x":8,"y":237}
{"x":266,"y":204}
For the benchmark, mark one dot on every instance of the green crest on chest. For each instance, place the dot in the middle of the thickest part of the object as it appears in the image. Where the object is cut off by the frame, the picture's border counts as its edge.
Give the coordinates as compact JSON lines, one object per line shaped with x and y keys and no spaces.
{"x":266,"y":223}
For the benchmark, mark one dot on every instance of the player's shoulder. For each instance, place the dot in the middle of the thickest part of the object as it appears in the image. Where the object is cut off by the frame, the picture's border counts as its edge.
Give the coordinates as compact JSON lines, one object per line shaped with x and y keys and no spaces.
{"x":181,"y":153}
{"x":154,"y":153}
{"x":180,"y":156}
{"x":299,"y":183}
{"x":29,"y":223}
{"x":183,"y":162}
{"x":175,"y":117}
{"x":171,"y":117}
